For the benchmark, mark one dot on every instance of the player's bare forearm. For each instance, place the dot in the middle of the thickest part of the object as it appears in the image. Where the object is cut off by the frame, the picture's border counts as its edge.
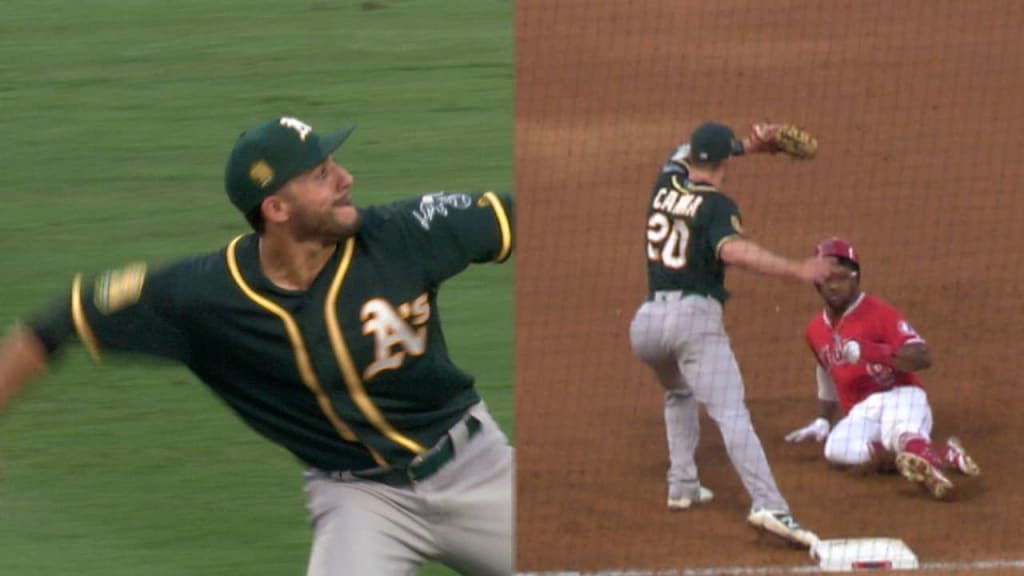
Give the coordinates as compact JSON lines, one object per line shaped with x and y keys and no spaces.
{"x":828,"y":409}
{"x":913,"y":357}
{"x":22,"y":356}
{"x":748,"y":255}
{"x":758,"y":139}
{"x":752,"y":146}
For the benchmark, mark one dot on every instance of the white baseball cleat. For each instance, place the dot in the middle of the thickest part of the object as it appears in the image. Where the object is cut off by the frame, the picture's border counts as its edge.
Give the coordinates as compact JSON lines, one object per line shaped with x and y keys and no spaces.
{"x":783,"y":525}
{"x":917,"y":469}
{"x":961,"y":459}
{"x":682,"y":502}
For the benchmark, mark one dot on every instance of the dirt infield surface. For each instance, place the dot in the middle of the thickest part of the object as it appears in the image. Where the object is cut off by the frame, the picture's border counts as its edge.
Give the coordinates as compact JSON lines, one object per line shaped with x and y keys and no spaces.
{"x":918,"y":107}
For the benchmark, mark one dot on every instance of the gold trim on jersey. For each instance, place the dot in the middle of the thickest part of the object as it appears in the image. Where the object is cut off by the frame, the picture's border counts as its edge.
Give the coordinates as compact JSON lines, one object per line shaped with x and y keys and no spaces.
{"x":302,"y":360}
{"x":736,"y":224}
{"x":681,"y":162}
{"x":504,"y":225}
{"x":692,"y":187}
{"x":80,"y":321}
{"x":348,"y":369}
{"x":718,"y":247}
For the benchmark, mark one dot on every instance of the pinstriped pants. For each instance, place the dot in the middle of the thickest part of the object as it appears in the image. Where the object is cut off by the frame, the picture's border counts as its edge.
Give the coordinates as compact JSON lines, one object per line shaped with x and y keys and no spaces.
{"x":683,"y":340}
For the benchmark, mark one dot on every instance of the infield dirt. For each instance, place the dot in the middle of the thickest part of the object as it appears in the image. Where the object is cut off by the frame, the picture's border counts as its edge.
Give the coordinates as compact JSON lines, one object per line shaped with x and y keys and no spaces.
{"x":917,"y":108}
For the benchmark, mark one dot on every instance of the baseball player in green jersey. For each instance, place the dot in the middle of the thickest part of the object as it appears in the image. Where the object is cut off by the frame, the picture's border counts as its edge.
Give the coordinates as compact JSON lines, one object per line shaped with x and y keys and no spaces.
{"x":693,"y":232}
{"x":321,"y":331}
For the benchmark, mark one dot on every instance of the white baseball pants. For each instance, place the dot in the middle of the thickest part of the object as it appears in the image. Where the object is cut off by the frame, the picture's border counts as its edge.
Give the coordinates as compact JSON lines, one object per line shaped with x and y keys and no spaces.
{"x":881,"y":417}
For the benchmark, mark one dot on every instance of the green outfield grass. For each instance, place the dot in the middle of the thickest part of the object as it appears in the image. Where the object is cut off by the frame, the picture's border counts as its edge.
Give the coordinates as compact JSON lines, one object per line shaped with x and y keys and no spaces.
{"x":116,"y":118}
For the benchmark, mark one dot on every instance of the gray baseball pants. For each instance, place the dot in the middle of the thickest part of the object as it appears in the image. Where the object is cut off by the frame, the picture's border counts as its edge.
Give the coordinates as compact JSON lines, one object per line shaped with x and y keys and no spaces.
{"x":461,"y":516}
{"x":682,"y":338}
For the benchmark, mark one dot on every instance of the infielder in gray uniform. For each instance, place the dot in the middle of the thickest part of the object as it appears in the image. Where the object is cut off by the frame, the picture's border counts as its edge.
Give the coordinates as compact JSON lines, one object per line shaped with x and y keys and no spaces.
{"x":693,"y":231}
{"x":321,"y":331}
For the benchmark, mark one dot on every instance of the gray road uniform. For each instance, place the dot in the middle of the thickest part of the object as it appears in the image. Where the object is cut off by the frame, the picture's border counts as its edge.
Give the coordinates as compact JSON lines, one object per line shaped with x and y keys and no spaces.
{"x":679,"y":333}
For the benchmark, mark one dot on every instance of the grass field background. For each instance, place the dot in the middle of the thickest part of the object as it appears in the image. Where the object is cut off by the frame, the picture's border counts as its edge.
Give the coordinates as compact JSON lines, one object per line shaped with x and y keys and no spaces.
{"x":116,"y":118}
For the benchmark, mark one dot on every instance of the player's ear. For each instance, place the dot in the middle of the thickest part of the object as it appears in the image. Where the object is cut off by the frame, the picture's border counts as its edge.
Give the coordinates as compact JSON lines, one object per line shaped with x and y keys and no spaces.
{"x":275,"y":209}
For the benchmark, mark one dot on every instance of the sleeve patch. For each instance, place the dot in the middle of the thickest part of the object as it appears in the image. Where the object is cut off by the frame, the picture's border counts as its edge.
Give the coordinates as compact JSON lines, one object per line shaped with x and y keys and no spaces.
{"x":118,"y":289}
{"x":439,"y":203}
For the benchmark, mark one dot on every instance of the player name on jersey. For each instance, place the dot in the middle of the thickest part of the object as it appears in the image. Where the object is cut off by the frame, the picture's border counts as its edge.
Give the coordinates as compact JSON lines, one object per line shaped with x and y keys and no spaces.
{"x":687,"y":222}
{"x":684,"y":204}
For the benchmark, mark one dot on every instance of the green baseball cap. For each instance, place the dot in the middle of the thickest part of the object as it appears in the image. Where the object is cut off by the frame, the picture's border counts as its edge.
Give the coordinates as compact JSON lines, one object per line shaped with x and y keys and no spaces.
{"x":712,"y":142}
{"x":271,"y":153}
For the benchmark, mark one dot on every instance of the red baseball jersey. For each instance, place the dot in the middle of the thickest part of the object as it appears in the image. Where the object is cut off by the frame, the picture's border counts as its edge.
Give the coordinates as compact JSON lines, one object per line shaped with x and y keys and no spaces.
{"x":868,"y":319}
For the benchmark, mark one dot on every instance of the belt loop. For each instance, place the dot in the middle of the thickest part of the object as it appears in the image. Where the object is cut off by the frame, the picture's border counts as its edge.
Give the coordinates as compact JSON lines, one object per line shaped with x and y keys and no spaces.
{"x":460,"y":432}
{"x":667,"y":295}
{"x":422,"y":466}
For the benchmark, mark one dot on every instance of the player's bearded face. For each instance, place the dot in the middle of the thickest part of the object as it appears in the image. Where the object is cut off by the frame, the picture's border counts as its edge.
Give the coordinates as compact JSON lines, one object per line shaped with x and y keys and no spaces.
{"x":840,"y":288}
{"x":321,"y":205}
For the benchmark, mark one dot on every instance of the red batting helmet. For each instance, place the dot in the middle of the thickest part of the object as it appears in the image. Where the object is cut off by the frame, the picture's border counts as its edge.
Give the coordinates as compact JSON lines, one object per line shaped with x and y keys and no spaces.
{"x":837,"y":248}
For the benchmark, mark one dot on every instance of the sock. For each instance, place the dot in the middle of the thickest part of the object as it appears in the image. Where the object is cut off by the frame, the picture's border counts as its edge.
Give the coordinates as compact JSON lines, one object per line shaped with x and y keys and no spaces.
{"x":917,"y":444}
{"x":948,"y":456}
{"x":883,"y":460}
{"x":876,"y":449}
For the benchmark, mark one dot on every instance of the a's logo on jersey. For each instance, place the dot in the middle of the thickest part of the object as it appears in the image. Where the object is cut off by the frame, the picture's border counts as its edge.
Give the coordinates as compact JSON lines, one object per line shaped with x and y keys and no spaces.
{"x":396,"y":332}
{"x":438,"y":204}
{"x":118,"y":289}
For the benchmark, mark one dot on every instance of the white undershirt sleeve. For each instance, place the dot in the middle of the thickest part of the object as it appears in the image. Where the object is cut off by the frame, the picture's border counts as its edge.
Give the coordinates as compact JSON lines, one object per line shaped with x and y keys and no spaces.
{"x":826,"y":388}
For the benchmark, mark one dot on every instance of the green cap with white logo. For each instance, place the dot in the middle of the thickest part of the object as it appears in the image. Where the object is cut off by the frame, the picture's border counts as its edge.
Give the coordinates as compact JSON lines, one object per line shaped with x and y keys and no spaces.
{"x":271,"y":153}
{"x":713,"y":142}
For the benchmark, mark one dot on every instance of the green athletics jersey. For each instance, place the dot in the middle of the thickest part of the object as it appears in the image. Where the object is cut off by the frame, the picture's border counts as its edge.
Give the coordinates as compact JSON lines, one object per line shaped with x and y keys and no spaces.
{"x":687,"y":223}
{"x":350,"y":374}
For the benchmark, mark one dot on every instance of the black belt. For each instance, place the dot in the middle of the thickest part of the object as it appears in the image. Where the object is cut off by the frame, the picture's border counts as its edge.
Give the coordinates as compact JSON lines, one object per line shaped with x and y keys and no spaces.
{"x":677,"y":295}
{"x":425,"y":465}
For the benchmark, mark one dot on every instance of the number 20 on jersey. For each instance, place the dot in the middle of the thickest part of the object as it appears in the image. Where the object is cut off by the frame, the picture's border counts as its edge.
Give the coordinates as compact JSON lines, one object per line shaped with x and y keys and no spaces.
{"x":667,"y":239}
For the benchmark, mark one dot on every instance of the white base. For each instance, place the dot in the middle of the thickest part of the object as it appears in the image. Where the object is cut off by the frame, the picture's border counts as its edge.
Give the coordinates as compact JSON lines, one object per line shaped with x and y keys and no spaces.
{"x":863,"y":554}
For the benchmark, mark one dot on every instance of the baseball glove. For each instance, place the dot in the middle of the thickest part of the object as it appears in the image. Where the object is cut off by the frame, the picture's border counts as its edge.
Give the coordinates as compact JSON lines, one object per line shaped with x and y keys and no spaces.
{"x":788,"y":139}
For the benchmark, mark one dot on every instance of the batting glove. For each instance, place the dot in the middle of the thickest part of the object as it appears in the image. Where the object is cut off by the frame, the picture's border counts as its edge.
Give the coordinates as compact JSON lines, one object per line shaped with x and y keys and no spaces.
{"x":818,"y":430}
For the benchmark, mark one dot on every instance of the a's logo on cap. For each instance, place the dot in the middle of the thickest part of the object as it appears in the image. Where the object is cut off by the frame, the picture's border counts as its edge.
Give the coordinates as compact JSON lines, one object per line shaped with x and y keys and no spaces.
{"x":261,"y":173}
{"x":297,"y":125}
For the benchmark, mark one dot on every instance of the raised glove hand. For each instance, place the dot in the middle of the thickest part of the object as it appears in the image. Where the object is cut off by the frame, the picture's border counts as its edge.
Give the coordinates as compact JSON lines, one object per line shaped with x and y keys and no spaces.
{"x":785,"y":138}
{"x":818,"y":430}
